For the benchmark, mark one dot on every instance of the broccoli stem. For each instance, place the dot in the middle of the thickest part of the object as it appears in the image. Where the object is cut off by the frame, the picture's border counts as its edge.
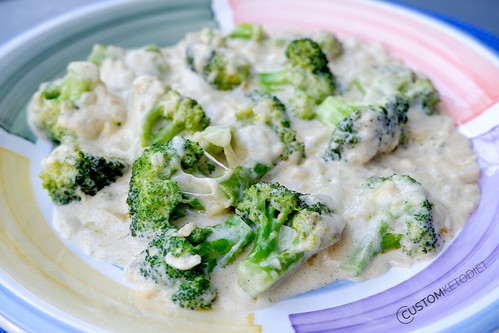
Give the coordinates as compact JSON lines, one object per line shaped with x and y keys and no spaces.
{"x":248,"y":31}
{"x":334,"y":109}
{"x":159,"y":130}
{"x":403,"y":221}
{"x":240,"y":179}
{"x":266,"y":264}
{"x":224,"y":242}
{"x":213,"y":247}
{"x":390,"y":241}
{"x":167,"y":132}
{"x":368,"y":247}
{"x":279,"y":77}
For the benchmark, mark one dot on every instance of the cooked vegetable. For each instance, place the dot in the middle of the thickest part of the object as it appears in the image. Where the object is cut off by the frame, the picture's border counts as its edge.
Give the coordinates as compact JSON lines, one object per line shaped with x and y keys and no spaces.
{"x":170,"y":180}
{"x":182,"y":260}
{"x":53,"y":97}
{"x":360,"y":130}
{"x":307,"y":72}
{"x":378,"y":81}
{"x":290,"y":228}
{"x":400,"y":216}
{"x":220,"y":67}
{"x":248,"y":31}
{"x":173,"y":114}
{"x":269,"y":110}
{"x":68,"y":173}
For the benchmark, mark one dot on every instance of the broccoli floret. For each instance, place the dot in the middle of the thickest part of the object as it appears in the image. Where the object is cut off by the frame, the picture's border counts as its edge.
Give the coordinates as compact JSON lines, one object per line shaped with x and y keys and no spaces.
{"x":53,"y":97}
{"x":183,"y":261}
{"x":290,"y":228}
{"x":195,"y":294}
{"x":173,"y":114}
{"x":220,"y":67}
{"x":221,"y":244}
{"x":99,"y":53}
{"x":68,"y":173}
{"x":379,"y":81}
{"x":152,"y":48}
{"x":248,"y":31}
{"x":45,"y":112}
{"x":269,"y":110}
{"x":362,"y":130}
{"x":147,"y":60}
{"x":330,"y":44}
{"x":153,"y":196}
{"x":173,"y":179}
{"x":307,"y":71}
{"x":334,"y":109}
{"x":423,"y":94}
{"x":402,"y":218}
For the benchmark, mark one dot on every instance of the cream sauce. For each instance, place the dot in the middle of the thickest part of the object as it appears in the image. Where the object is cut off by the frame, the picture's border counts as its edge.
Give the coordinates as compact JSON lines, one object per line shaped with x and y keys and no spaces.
{"x":436,"y":155}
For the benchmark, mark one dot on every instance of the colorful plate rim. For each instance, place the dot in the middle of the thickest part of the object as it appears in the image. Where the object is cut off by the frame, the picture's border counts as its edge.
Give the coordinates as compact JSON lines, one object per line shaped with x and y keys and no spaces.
{"x":25,"y":309}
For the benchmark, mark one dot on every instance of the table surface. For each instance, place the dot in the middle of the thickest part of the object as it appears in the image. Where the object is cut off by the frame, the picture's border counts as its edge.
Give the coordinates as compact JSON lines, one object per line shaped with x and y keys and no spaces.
{"x":18,"y":16}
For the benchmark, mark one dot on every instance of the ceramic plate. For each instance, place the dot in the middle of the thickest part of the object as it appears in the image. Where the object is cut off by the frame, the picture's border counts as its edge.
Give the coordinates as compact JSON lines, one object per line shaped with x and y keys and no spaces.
{"x":47,"y":285}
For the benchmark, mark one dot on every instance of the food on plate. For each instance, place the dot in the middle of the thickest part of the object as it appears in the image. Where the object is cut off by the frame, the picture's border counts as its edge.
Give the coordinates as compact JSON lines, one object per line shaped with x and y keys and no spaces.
{"x":69,"y":173}
{"x":290,"y":227}
{"x":399,"y":215}
{"x":175,"y":179}
{"x":360,"y":131}
{"x":306,"y":70}
{"x":236,"y":169}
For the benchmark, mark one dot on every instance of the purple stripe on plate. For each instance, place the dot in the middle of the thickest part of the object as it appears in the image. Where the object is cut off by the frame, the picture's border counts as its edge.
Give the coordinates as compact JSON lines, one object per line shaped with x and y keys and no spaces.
{"x":462,"y":275}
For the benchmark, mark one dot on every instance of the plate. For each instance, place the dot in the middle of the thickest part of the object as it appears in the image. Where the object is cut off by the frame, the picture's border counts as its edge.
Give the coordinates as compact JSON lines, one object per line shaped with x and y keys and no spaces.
{"x":47,"y":285}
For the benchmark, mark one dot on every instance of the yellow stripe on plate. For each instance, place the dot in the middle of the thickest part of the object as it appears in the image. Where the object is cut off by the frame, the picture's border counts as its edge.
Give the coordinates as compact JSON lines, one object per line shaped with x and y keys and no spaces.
{"x":33,"y":256}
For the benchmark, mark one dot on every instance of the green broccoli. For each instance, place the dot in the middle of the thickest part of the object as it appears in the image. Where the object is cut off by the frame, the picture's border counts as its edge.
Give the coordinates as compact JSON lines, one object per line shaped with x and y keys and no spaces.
{"x":400,"y":216}
{"x":45,"y":111}
{"x":248,"y":31}
{"x":330,"y":44}
{"x":218,"y":141}
{"x":182,"y":260}
{"x":378,"y":81}
{"x":269,"y":110}
{"x":100,"y":52}
{"x":132,"y":60}
{"x":173,"y":179}
{"x":173,"y":114}
{"x":219,"y":67}
{"x":69,"y":172}
{"x":53,"y":97}
{"x":422,"y":93}
{"x":290,"y":228}
{"x":362,"y":130}
{"x":307,"y":71}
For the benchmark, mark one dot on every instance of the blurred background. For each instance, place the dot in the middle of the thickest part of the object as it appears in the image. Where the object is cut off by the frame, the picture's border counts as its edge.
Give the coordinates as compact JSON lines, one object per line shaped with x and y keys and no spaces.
{"x":17,"y":16}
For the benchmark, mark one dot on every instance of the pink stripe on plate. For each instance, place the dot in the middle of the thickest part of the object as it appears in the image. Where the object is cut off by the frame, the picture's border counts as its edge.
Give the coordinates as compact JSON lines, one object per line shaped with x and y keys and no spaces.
{"x":465,"y":74}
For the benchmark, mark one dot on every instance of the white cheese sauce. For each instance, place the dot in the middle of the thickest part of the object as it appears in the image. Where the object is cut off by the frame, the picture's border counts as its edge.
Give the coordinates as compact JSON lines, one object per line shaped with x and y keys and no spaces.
{"x":131,"y":81}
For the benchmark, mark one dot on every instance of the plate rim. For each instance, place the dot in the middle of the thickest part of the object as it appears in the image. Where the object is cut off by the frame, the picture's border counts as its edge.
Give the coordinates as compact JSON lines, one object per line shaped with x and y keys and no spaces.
{"x":65,"y":18}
